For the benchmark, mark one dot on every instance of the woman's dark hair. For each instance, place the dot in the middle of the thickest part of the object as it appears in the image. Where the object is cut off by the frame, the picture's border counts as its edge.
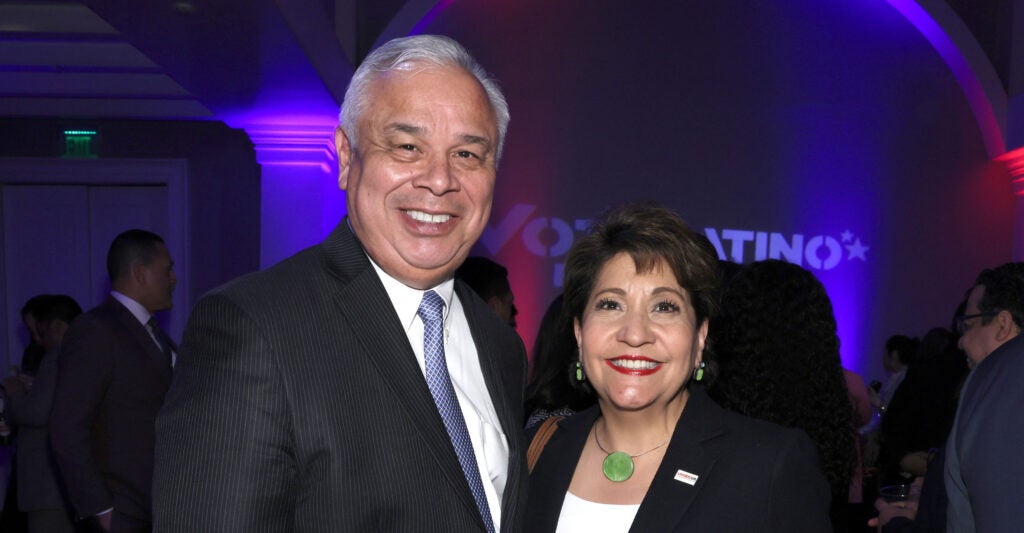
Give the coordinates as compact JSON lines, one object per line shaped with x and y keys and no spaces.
{"x":650,"y":233}
{"x":554,"y":356}
{"x":777,"y":353}
{"x":905,"y":348}
{"x":57,"y":307}
{"x":33,"y":304}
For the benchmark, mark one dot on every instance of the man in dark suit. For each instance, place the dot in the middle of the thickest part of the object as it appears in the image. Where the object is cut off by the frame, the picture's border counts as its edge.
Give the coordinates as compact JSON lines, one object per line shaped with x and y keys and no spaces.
{"x":113,"y":372}
{"x":984,"y":464}
{"x":314,"y":396}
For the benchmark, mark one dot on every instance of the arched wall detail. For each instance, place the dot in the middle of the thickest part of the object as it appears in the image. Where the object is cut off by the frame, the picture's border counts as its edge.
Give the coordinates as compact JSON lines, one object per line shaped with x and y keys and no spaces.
{"x":936,"y":21}
{"x":954,"y":42}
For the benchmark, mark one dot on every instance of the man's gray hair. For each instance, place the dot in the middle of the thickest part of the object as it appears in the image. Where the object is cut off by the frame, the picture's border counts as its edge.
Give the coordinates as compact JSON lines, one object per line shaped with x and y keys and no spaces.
{"x":419,"y":50}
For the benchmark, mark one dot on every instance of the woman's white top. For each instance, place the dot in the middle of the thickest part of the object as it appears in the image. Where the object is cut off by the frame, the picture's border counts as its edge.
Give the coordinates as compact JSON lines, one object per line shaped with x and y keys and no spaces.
{"x":579,"y":515}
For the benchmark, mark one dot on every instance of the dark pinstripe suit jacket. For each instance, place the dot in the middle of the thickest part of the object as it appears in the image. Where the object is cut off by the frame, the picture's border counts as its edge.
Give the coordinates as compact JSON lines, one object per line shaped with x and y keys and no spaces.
{"x":298,"y":405}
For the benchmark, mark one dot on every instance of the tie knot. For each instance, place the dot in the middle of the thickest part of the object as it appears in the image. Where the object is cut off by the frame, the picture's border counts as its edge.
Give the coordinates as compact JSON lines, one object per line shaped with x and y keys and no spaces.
{"x":431,"y":307}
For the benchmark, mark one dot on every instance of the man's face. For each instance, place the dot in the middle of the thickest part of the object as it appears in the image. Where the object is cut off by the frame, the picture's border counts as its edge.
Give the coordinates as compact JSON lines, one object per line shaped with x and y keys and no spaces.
{"x":978,"y":339}
{"x":420,"y":183}
{"x":505,"y":307}
{"x":158,"y":281}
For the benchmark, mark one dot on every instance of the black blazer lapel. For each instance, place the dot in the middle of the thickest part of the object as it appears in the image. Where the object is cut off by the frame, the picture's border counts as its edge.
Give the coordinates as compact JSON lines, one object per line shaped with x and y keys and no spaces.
{"x":688,"y":455}
{"x":554,"y":470}
{"x":386,"y":344}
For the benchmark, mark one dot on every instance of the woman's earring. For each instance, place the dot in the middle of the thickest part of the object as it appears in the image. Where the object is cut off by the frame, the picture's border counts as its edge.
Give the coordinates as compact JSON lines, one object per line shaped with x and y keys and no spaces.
{"x":579,"y":372}
{"x":698,"y":373}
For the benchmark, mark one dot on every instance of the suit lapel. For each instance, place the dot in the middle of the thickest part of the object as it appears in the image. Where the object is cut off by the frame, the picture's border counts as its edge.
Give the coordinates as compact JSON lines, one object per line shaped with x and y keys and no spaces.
{"x":382,"y":337}
{"x":486,"y":352}
{"x":509,"y":412}
{"x":149,"y":350}
{"x":668,"y":499}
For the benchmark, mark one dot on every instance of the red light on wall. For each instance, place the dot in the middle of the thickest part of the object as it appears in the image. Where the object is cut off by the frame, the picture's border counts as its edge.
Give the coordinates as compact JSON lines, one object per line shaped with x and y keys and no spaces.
{"x":1014,"y":161}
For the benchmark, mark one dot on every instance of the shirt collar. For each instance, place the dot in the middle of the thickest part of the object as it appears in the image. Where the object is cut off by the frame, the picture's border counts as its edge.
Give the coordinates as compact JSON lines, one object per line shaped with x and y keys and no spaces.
{"x":407,"y":299}
{"x":135,"y":308}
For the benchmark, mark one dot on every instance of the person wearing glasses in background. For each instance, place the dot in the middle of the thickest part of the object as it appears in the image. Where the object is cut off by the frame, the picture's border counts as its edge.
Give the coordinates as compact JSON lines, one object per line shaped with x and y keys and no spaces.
{"x":983,"y":453}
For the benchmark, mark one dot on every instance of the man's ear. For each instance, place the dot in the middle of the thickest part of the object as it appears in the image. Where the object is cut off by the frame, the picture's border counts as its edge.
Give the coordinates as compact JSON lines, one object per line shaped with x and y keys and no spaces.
{"x":343,"y":148}
{"x":1008,"y":329}
{"x":138,"y":272}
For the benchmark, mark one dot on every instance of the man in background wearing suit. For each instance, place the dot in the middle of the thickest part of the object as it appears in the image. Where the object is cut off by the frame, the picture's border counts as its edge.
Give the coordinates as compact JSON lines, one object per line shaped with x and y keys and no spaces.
{"x":113,"y":371}
{"x":356,"y":386}
{"x":985,"y":450}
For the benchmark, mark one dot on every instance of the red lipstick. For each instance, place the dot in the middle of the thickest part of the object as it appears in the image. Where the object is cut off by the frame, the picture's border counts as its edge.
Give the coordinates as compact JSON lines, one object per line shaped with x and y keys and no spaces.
{"x":633,"y":365}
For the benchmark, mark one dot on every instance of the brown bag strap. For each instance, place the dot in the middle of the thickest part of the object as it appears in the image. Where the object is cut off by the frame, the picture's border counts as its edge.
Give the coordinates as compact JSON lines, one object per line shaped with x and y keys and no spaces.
{"x":540,"y":439}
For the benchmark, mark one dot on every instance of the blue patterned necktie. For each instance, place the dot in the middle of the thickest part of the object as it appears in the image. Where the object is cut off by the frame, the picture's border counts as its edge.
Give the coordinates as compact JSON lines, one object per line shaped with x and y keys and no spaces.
{"x":431,"y":311}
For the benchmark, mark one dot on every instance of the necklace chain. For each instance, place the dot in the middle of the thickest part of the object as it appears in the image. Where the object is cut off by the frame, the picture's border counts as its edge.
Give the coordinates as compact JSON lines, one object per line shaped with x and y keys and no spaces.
{"x":606,"y":452}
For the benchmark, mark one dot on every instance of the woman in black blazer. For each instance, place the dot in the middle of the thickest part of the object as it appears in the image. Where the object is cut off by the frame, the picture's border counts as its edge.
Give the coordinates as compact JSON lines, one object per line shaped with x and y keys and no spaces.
{"x":656,"y":454}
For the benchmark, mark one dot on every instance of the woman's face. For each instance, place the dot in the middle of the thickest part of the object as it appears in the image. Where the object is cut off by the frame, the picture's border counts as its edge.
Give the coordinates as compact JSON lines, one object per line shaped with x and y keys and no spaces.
{"x":639,"y":339}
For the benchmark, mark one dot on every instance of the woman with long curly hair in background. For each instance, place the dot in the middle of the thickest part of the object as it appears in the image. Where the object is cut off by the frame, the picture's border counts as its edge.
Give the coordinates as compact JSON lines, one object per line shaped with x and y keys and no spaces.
{"x":777,"y":355}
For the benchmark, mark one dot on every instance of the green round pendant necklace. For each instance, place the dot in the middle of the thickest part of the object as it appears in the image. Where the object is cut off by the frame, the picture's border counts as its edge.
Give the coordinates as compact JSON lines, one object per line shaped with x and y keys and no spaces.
{"x":618,"y":466}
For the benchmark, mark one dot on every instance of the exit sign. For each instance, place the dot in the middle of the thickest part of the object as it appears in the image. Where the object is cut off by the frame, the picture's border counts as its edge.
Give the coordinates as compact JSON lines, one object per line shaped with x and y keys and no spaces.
{"x":80,"y":143}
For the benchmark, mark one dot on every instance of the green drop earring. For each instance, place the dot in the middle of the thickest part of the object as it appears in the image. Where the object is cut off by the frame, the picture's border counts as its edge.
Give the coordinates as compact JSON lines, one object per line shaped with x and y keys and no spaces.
{"x":579,"y":372}
{"x":698,"y":373}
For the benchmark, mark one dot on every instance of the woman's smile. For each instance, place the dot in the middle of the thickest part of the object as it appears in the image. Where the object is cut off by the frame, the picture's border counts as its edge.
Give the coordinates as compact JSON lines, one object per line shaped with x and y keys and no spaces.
{"x":634,"y":365}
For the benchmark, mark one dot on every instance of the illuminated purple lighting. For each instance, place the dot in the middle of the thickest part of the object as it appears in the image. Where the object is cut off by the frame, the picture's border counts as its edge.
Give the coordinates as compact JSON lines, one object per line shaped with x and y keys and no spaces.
{"x":301,"y":200}
{"x":292,"y":145}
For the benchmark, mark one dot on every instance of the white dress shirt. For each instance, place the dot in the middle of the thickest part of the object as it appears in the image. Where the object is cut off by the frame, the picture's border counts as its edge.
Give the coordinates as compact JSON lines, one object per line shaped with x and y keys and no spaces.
{"x":489,"y":442}
{"x":889,"y":389}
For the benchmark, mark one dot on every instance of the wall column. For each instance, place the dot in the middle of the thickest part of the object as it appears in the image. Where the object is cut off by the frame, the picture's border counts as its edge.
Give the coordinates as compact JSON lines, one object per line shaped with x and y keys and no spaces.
{"x":300,"y":199}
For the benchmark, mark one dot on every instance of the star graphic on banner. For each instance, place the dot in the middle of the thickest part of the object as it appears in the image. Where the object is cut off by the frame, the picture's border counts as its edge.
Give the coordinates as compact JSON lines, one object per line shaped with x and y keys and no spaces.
{"x":857,"y":250}
{"x":847,"y":236}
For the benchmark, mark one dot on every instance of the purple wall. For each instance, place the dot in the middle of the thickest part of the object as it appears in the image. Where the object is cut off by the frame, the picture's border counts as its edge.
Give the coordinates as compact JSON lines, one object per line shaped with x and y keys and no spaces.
{"x":832,"y":127}
{"x":828,"y":133}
